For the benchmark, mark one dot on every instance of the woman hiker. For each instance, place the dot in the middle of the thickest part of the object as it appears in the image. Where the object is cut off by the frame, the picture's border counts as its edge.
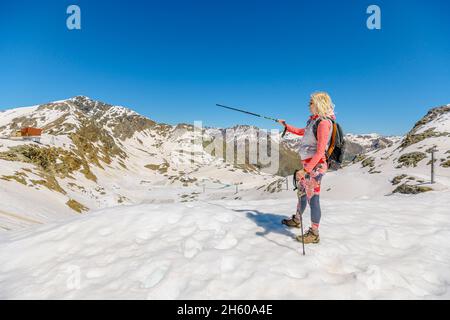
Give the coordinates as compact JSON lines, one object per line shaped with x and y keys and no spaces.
{"x":312,"y":154}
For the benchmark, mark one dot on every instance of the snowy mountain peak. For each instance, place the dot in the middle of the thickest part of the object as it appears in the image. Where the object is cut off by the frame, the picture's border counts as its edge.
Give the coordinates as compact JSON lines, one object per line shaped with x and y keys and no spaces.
{"x":438,"y":114}
{"x":435,"y":124}
{"x":81,"y":98}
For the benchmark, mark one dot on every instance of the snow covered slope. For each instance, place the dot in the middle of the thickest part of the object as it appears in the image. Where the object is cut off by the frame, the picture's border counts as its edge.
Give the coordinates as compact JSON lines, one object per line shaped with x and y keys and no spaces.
{"x":392,"y":248}
{"x":405,"y":166}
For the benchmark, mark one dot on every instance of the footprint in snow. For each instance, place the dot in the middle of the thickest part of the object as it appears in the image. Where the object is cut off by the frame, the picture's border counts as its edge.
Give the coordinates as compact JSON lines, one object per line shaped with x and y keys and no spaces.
{"x":228,"y":242}
{"x":372,"y":277}
{"x":290,"y":271}
{"x":191,"y":248}
{"x":174,"y":218}
{"x":224,"y":217}
{"x":105,"y":231}
{"x":142,"y":236}
{"x":156,"y":272}
{"x":187,"y":231}
{"x":227,"y":264}
{"x":95,"y":273}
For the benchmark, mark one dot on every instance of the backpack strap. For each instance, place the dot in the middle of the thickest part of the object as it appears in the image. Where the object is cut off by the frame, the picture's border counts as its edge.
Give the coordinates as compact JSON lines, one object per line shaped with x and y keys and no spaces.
{"x":333,"y":140}
{"x":316,"y":125}
{"x":333,"y":135}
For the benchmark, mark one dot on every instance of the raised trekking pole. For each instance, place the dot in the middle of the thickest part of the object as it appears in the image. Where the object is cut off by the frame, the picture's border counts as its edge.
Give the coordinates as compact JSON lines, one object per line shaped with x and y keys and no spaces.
{"x":252,"y":114}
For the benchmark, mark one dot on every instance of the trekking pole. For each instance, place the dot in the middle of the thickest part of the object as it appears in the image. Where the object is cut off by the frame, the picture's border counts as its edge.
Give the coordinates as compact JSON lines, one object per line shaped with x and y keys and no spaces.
{"x":294,"y":182}
{"x":252,"y":114}
{"x":303,"y":239}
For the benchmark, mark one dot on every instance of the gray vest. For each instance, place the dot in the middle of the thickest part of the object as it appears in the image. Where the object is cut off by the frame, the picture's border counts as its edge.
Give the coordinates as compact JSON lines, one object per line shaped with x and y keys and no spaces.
{"x":308,"y":145}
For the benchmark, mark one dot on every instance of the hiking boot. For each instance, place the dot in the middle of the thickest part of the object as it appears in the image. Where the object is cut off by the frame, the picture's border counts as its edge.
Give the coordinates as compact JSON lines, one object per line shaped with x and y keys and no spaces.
{"x":311,"y":236}
{"x":292,"y":222}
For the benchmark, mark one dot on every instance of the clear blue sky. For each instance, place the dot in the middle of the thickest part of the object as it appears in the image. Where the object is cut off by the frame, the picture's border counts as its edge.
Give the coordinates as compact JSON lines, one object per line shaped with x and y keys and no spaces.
{"x":173,"y":60}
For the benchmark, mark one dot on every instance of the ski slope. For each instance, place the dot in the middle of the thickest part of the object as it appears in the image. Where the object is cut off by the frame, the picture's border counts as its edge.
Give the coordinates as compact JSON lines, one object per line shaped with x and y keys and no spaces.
{"x":392,"y":247}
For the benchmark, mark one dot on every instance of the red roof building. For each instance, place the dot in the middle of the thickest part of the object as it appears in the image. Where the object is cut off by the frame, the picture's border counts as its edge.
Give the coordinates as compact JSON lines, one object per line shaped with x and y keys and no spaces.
{"x":31,"y":132}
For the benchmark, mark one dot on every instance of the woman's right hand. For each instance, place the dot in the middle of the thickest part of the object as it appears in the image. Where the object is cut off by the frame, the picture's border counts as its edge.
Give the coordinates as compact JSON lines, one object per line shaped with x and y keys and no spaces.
{"x":283,"y":122}
{"x":300,"y":174}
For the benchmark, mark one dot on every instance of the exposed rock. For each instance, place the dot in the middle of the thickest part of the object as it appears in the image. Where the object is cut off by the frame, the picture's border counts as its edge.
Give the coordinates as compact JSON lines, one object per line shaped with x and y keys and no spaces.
{"x":446,"y":164}
{"x":358,"y":158}
{"x":95,"y":144}
{"x":161,"y":168}
{"x":411,"y":159}
{"x":381,"y":143}
{"x":410,"y":189}
{"x":50,"y":160}
{"x":49,"y":182}
{"x":368,"y":162}
{"x":352,"y":150}
{"x":398,"y":179}
{"x":18,"y":176}
{"x":276,"y":186}
{"x":76,"y":206}
{"x":122,"y":199}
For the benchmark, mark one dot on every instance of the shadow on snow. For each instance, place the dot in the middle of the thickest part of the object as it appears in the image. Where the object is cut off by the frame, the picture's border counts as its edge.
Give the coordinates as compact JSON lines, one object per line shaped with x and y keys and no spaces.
{"x":270,"y":222}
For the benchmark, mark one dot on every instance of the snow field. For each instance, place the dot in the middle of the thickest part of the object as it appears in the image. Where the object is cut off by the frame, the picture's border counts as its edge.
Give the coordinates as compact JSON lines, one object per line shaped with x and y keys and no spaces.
{"x":370,"y":249}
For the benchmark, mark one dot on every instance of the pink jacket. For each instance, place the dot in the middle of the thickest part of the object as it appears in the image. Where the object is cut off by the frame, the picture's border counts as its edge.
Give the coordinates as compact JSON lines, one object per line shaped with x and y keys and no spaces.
{"x":323,"y":132}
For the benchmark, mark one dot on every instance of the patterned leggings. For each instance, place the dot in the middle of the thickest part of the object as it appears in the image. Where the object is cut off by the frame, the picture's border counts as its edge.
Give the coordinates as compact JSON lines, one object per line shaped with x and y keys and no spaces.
{"x":309,"y":192}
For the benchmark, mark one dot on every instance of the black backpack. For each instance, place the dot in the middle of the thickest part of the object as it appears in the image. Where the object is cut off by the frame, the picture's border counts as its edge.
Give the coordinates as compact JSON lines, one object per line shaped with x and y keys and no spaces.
{"x":335,"y":152}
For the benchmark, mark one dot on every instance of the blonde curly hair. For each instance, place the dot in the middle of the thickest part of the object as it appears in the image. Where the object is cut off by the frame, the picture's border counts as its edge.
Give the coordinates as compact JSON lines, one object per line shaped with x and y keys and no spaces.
{"x":321,"y":104}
